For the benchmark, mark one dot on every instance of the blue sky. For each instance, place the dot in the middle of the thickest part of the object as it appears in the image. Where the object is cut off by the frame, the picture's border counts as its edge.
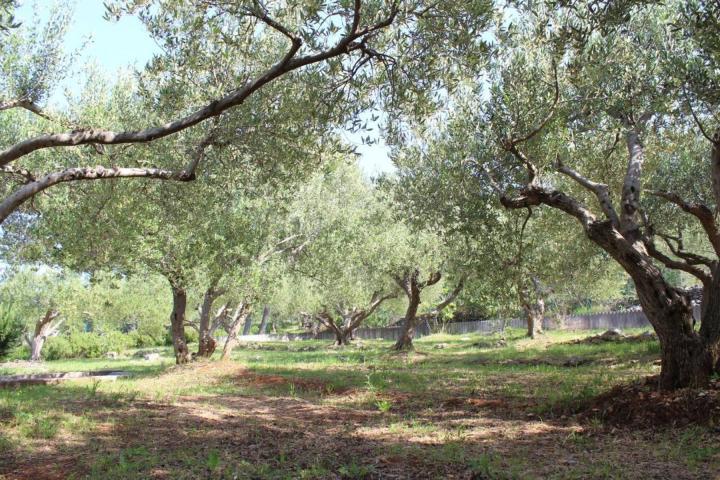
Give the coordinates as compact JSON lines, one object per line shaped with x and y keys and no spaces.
{"x":119,"y":45}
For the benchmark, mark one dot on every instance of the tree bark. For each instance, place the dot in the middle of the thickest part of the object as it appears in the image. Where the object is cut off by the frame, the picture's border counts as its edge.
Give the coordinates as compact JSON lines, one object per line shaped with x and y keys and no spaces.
{"x":177,"y":323}
{"x":343,"y":337}
{"x":534,"y":307}
{"x":206,"y":344}
{"x":263,"y":322}
{"x":689,"y":358}
{"x":412,"y":287}
{"x":237,"y":320}
{"x":248,"y":325}
{"x":404,"y":342}
{"x":44,"y":328}
{"x":534,"y":314}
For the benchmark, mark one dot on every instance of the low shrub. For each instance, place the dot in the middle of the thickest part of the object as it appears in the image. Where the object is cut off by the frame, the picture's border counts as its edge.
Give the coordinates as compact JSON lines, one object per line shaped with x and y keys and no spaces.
{"x":10,"y":330}
{"x":145,"y":340}
{"x":86,"y":345}
{"x":191,"y":336}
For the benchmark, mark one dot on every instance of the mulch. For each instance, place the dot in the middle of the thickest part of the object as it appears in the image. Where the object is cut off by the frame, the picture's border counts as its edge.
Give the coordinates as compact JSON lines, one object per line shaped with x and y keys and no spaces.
{"x":643,"y":405}
{"x":611,"y":336}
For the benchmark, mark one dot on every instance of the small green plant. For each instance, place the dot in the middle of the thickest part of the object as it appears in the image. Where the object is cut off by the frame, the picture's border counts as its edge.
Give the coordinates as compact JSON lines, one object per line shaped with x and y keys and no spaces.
{"x":93,"y":388}
{"x":45,"y":428}
{"x":355,"y":471}
{"x":313,"y":472}
{"x":488,"y":467}
{"x":368,"y":382}
{"x":383,"y":405}
{"x":213,"y":460}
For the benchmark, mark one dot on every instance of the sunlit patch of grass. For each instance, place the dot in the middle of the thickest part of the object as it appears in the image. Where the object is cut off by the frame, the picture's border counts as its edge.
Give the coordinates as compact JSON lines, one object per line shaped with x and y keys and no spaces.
{"x":399,"y":403}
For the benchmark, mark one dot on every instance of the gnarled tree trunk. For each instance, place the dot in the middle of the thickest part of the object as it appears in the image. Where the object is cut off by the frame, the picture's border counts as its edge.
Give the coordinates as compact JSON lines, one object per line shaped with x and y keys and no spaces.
{"x":533,"y":305}
{"x":206,"y":342}
{"x":534,"y":314}
{"x":407,"y":332}
{"x":177,"y":320}
{"x":412,"y":287}
{"x":351,"y":318}
{"x":44,"y":328}
{"x":236,"y":321}
{"x":343,"y":331}
{"x":688,"y":357}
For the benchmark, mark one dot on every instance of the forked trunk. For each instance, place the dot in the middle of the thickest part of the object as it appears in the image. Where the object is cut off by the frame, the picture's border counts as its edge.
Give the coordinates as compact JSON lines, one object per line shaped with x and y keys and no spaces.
{"x":177,"y":324}
{"x":44,"y":328}
{"x":687,"y":358}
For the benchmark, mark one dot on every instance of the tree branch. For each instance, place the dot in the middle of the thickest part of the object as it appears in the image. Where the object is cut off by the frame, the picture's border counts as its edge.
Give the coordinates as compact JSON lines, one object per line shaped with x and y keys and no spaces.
{"x":21,"y":172}
{"x":345,"y":44}
{"x":675,"y":264}
{"x":535,"y":195}
{"x":452,"y":296}
{"x":630,"y":198}
{"x":10,"y":203}
{"x":600,"y":190}
{"x":699,"y":211}
{"x":551,"y":112}
{"x":679,"y":251}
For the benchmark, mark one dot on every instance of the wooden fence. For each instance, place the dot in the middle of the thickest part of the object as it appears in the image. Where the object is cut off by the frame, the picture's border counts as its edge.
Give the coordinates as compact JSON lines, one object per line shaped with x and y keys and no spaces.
{"x":597,"y":321}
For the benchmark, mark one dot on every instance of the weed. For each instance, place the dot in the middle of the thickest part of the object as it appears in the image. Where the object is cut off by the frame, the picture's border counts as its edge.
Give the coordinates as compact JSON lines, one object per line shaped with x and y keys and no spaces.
{"x":383,"y":405}
{"x":354,"y":471}
{"x":213,"y":460}
{"x":93,"y":389}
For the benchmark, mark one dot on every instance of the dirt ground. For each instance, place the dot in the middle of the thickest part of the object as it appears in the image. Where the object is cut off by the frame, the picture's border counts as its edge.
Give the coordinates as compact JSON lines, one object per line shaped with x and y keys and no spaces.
{"x":237,"y":435}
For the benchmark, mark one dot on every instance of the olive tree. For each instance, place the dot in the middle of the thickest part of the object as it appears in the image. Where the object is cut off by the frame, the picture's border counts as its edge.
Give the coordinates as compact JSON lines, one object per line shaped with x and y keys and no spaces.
{"x":350,"y":241}
{"x":594,"y":104}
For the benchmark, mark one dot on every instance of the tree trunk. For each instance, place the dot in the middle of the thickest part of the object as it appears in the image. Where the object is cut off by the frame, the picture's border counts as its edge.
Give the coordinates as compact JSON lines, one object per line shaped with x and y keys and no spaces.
{"x":710,"y":319}
{"x":534,"y":316}
{"x":44,"y":328}
{"x":343,"y":336}
{"x":238,"y":318}
{"x":206,"y":342}
{"x":404,"y":342}
{"x":688,"y":358}
{"x":248,"y":325}
{"x":263,"y":322}
{"x":177,"y":324}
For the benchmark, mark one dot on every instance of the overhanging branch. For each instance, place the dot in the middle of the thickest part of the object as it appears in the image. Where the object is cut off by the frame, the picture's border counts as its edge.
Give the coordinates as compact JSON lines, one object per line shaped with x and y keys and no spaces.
{"x":701,"y":212}
{"x":346,"y":44}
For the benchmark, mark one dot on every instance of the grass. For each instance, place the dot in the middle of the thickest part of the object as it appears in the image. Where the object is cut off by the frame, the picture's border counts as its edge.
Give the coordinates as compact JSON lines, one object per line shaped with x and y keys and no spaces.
{"x":465,"y":406}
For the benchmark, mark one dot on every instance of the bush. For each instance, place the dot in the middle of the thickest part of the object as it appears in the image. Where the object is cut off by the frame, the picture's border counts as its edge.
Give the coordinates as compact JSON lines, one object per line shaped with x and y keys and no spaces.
{"x":86,"y":345}
{"x":10,"y":330}
{"x":144,"y":340}
{"x":191,"y":336}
